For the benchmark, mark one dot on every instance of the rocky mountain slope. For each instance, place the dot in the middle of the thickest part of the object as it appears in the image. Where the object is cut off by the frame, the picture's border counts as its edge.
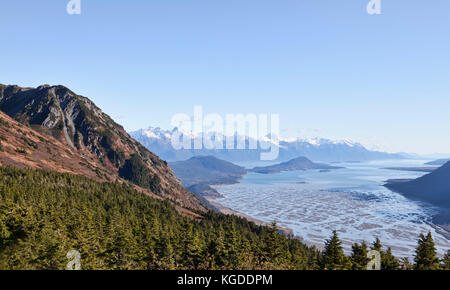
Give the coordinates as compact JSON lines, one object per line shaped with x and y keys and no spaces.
{"x":21,"y":146}
{"x":207,"y":170}
{"x":439,"y":162}
{"x":81,"y":139}
{"x":433,"y":188}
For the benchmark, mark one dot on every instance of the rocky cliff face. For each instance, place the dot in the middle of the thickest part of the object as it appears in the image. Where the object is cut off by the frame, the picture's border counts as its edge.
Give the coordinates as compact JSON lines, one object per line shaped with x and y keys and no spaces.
{"x":78,"y":124}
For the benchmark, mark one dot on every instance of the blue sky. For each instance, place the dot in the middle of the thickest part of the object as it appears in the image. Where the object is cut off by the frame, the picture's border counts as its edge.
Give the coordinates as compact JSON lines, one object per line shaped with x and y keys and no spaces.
{"x":326,"y":66}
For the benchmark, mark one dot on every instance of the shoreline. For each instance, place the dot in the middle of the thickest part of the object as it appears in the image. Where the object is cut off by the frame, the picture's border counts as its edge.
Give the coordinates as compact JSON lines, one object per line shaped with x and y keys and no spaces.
{"x":290,"y":232}
{"x":440,"y":228}
{"x":228,"y":211}
{"x":439,"y":221}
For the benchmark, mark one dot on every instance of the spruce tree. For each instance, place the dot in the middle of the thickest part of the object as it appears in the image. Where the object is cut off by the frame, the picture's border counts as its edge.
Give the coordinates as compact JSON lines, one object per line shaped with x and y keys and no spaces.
{"x":446,"y":261}
{"x":359,"y":256}
{"x":43,"y":215}
{"x":333,"y":257}
{"x":388,"y":261}
{"x":426,"y":257}
{"x":405,"y":264}
{"x":271,"y":251}
{"x":376,"y":246}
{"x":232,"y":247}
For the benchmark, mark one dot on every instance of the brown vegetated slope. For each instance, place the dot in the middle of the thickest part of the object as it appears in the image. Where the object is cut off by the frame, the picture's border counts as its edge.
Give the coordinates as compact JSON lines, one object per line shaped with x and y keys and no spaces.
{"x":22,"y":147}
{"x":56,"y":129}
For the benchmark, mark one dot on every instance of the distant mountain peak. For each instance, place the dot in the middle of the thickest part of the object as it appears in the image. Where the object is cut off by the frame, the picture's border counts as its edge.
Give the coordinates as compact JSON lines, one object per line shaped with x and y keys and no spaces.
{"x":207,"y":170}
{"x":299,"y":163}
{"x":156,"y":132}
{"x":318,"y":149}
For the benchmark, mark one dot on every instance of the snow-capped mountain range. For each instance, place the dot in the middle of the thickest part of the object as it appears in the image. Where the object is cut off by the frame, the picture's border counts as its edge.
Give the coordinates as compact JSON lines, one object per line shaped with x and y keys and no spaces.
{"x":159,"y":141}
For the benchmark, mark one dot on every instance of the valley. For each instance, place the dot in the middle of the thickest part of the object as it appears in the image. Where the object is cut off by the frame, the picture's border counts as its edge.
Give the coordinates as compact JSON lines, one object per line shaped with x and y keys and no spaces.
{"x":352,"y":200}
{"x":192,"y":141}
{"x":69,"y":143}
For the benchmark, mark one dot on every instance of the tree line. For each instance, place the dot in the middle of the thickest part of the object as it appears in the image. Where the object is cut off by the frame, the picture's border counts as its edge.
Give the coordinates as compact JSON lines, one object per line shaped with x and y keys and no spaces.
{"x":44,"y":214}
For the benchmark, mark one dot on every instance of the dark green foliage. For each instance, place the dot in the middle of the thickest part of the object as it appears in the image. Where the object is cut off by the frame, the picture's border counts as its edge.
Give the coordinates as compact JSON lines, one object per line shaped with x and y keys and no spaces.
{"x":274,"y":247}
{"x":135,"y":171}
{"x":426,"y":258}
{"x":4,"y":123}
{"x":43,"y":215}
{"x":155,"y":183}
{"x":21,"y":151}
{"x":446,"y":261}
{"x":59,"y":127}
{"x":359,"y":256}
{"x":116,"y":157}
{"x":377,"y":245}
{"x":30,"y":143}
{"x":388,"y":261}
{"x":405,"y":264}
{"x":333,"y":256}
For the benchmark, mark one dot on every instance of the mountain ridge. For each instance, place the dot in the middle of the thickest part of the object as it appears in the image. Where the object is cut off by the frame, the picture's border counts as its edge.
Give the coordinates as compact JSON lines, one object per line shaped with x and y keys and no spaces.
{"x":207,"y":170}
{"x":433,"y":187}
{"x":320,"y":150}
{"x":438,"y":162}
{"x":78,"y":124}
{"x":300,"y":163}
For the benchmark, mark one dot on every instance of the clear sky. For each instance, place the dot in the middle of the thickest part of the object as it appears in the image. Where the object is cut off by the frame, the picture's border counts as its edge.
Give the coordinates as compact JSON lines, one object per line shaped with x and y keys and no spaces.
{"x":326,"y":66}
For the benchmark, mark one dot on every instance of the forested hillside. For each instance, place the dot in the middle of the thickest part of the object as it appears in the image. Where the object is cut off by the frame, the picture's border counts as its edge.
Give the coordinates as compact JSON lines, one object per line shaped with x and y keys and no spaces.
{"x":96,"y":146}
{"x":44,"y":215}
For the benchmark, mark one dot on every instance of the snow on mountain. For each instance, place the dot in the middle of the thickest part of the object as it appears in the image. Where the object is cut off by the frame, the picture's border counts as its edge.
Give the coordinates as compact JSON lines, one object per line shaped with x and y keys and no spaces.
{"x":154,"y":133}
{"x":322,"y":141}
{"x":158,"y":141}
